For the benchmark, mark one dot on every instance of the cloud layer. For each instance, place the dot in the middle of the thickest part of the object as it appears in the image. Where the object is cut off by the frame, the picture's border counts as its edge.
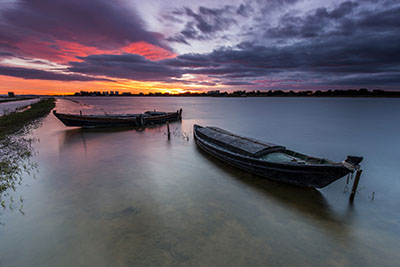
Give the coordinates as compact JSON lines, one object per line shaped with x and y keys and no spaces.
{"x":51,"y":28}
{"x":258,"y":44}
{"x":45,"y":75}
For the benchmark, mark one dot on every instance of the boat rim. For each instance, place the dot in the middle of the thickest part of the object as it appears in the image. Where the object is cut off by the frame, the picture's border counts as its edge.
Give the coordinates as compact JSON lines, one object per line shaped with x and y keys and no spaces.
{"x":332,"y":165}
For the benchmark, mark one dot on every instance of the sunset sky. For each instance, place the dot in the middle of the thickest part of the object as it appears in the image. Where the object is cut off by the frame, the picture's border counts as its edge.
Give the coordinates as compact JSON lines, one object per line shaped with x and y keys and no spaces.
{"x":64,"y":46}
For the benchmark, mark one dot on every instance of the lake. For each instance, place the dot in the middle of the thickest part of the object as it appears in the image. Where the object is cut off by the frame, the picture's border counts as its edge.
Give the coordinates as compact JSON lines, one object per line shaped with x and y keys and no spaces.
{"x":126,"y":197}
{"x":12,"y":106}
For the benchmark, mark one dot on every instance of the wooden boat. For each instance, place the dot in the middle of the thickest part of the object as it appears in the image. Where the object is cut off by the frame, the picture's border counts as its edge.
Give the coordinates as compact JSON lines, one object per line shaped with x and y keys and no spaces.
{"x":270,"y":160}
{"x":135,"y":120}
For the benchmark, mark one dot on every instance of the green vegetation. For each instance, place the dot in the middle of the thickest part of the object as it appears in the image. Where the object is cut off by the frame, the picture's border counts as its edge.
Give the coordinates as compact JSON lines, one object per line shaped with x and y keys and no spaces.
{"x":16,"y":149}
{"x":13,"y":122}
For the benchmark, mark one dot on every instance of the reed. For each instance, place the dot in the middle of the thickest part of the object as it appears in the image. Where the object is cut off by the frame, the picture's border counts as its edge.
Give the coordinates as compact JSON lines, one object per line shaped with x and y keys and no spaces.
{"x":16,"y":149}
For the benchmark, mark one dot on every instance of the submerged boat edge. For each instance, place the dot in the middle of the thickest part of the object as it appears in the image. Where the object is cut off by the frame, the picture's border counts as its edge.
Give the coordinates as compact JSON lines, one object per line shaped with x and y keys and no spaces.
{"x":306,"y":176}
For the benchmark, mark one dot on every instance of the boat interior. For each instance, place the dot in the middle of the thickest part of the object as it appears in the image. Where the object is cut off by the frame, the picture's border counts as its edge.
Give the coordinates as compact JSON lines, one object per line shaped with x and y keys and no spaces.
{"x":258,"y":149}
{"x":155,"y":113}
{"x":288,"y":156}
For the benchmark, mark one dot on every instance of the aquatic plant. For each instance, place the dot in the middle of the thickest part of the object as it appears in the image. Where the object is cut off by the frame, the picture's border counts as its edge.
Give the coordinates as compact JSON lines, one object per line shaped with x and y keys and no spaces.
{"x":16,"y":150}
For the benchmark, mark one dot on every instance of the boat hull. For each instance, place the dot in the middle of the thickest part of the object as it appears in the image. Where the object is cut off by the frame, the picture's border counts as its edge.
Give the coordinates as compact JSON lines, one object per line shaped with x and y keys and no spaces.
{"x":303,"y":175}
{"x":89,"y":122}
{"x":171,"y":116}
{"x":137,"y":120}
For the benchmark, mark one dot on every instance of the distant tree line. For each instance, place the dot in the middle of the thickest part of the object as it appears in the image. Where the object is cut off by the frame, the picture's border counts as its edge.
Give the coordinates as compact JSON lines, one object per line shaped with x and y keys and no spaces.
{"x":363,"y":92}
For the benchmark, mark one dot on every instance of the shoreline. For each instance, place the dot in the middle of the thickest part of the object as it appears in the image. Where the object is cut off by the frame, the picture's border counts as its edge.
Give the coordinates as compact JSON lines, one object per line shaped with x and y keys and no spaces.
{"x":6,"y":100}
{"x":194,"y":95}
{"x":13,"y":122}
{"x":15,"y":149}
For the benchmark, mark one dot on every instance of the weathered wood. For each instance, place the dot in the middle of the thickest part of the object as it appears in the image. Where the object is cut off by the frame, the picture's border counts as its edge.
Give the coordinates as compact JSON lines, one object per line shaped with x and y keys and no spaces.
{"x":249,"y":155}
{"x":141,"y":120}
{"x":238,"y":144}
{"x":355,"y":185}
{"x":169,"y":133}
{"x":138,"y":120}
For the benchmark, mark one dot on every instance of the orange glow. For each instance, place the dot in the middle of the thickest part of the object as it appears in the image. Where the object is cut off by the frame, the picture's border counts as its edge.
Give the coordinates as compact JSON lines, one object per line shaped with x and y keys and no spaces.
{"x":60,"y":51}
{"x":70,"y":50}
{"x":64,"y":51}
{"x":23,"y":86}
{"x":32,"y":47}
{"x":149,"y":51}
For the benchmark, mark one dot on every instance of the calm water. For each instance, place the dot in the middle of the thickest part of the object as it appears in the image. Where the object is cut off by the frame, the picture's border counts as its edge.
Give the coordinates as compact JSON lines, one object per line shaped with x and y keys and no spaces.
{"x":134,"y":198}
{"x":7,"y":107}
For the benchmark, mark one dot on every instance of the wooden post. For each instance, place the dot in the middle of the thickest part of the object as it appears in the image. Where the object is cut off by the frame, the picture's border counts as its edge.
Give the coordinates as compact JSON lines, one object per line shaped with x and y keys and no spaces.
{"x":169,"y":133}
{"x":180,"y":114}
{"x":142,"y":120}
{"x":355,"y":185}
{"x":80,"y":112}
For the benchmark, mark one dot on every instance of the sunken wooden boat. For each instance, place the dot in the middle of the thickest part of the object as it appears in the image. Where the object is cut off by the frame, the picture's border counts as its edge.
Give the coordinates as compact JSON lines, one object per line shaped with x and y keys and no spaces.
{"x":116,"y":120}
{"x":270,"y":160}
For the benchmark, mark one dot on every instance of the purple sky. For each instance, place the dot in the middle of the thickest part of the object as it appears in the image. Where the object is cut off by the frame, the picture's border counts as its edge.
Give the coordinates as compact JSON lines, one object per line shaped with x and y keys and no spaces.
{"x":203,"y":45}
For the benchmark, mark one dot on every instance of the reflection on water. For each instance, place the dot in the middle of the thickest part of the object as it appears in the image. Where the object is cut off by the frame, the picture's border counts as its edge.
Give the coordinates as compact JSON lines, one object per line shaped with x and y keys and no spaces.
{"x":307,"y":201}
{"x":123,"y":197}
{"x":16,"y":152}
{"x":80,"y":136}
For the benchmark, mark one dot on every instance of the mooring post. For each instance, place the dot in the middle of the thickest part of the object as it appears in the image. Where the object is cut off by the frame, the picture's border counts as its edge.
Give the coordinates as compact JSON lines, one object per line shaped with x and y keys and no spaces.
{"x":169,"y":133}
{"x":141,"y":120}
{"x":355,"y":184}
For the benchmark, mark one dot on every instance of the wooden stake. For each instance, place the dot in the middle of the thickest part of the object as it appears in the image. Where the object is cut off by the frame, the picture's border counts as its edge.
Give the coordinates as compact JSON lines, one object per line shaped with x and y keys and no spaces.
{"x":80,"y":112}
{"x":180,"y":114}
{"x":142,"y":120}
{"x":355,"y":185}
{"x":169,"y":133}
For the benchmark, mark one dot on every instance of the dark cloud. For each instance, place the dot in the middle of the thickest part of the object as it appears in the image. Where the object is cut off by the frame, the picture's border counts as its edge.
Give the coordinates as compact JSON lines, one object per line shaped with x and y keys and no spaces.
{"x":349,"y":44}
{"x":104,"y":24}
{"x":238,"y":83}
{"x":273,"y":5}
{"x":6,"y":54}
{"x":371,"y":50}
{"x":375,"y":79}
{"x":318,"y":23}
{"x":204,"y":23}
{"x":344,"y":60}
{"x":204,"y":83}
{"x":128,"y":66}
{"x":385,"y":19}
{"x":212,"y":23}
{"x":8,"y":38}
{"x":44,"y":75}
{"x":332,"y":58}
{"x":207,"y":83}
{"x":244,"y":10}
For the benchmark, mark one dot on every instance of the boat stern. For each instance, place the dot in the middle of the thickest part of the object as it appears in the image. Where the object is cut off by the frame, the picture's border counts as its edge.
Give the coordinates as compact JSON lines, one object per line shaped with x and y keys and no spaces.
{"x":352,"y":163}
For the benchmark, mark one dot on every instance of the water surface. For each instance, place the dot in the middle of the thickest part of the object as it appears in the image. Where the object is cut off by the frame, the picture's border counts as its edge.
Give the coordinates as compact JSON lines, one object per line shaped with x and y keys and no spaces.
{"x":12,"y":106}
{"x":123,"y":197}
